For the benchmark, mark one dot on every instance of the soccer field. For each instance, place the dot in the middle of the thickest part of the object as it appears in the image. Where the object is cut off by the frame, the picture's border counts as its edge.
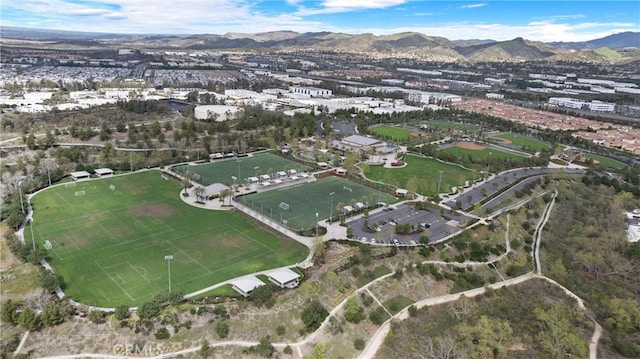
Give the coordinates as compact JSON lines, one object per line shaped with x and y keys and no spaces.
{"x":221,"y":171}
{"x":110,"y":244}
{"x":395,"y":133}
{"x":305,"y":200}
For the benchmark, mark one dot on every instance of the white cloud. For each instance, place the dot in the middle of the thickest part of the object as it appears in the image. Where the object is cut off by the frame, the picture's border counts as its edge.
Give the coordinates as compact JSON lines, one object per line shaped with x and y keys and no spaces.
{"x":361,"y":4}
{"x":472,"y":6}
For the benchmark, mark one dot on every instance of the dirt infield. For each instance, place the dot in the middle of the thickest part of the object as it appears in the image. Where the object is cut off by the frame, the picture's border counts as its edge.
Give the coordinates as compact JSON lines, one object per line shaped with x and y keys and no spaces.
{"x":503,"y":141}
{"x":470,"y":146}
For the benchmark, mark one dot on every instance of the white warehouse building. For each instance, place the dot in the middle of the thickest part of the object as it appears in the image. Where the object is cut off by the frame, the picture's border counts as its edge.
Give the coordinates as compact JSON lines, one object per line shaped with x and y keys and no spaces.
{"x":311,"y":91}
{"x":218,"y":113}
{"x":568,"y":102}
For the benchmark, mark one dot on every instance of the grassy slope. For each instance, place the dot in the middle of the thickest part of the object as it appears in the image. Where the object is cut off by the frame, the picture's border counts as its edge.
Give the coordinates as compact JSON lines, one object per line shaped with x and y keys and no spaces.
{"x":109,"y":246}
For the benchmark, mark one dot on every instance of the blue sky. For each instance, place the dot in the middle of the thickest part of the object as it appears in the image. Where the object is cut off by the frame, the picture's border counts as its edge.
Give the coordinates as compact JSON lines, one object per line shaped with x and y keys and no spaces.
{"x":575,"y":20}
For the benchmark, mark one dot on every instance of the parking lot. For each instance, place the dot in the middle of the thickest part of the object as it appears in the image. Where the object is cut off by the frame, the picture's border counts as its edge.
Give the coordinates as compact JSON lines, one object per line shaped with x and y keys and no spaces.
{"x":431,"y":222}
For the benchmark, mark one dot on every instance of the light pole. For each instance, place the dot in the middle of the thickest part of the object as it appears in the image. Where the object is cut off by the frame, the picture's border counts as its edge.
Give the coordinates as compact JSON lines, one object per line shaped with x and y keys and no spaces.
{"x":168,"y":258}
{"x":187,"y":157}
{"x":255,"y":170}
{"x":331,"y":208}
{"x":238,"y":162}
{"x":48,"y":173}
{"x":234,"y":178}
{"x":20,"y":191}
{"x":317,"y":225}
{"x":33,"y":241}
{"x":489,"y":165}
{"x":439,"y":181}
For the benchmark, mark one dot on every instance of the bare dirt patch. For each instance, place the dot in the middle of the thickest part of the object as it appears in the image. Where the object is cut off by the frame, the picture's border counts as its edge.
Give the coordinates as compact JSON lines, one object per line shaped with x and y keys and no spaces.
{"x":471,"y":146}
{"x":152,"y":210}
{"x":503,"y":141}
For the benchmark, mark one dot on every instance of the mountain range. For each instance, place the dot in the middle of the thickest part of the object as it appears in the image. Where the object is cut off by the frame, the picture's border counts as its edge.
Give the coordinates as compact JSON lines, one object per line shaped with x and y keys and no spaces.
{"x":622,"y":47}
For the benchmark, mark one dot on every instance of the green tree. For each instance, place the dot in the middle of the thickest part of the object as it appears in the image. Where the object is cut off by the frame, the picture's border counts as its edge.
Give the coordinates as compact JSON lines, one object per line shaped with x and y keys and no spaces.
{"x":122,"y":312}
{"x":29,"y":319}
{"x":556,"y":336}
{"x":48,"y":280}
{"x":353,"y":311}
{"x":51,"y":314}
{"x":319,"y":351}
{"x":313,"y":315}
{"x":280,"y":330}
{"x":262,"y":295}
{"x":9,"y":311}
{"x":488,"y":338}
{"x":149,"y":309}
{"x":265,"y":348}
{"x":359,"y":343}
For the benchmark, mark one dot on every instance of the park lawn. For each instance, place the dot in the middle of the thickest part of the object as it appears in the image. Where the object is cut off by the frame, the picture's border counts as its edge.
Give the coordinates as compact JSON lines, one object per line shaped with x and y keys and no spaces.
{"x":222,"y":171}
{"x":397,"y":134}
{"x":523,"y":142}
{"x":425,"y":172}
{"x":109,"y":245}
{"x":606,"y":162}
{"x":484,"y":154}
{"x":443,"y":125}
{"x":308,"y":199}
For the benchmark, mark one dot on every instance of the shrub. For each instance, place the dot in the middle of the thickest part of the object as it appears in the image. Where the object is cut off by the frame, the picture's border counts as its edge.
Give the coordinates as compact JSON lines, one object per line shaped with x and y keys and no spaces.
{"x":280,"y":330}
{"x":313,"y":315}
{"x":222,"y":329}
{"x":162,"y":333}
{"x":359,"y":344}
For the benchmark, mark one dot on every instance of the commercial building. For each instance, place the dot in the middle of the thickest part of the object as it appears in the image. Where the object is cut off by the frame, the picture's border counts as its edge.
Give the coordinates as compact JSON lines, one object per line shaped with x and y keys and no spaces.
{"x":311,"y":91}
{"x":568,"y":102}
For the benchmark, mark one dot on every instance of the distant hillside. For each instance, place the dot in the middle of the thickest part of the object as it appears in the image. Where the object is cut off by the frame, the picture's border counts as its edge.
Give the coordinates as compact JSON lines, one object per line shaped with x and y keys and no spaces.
{"x":517,"y":49}
{"x":402,"y":44}
{"x":615,"y":41}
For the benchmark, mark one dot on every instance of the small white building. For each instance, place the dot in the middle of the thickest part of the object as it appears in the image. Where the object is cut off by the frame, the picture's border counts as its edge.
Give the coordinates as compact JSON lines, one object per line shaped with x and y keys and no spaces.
{"x":104,"y":172}
{"x":80,"y":175}
{"x":284,"y":278}
{"x":247,"y":284}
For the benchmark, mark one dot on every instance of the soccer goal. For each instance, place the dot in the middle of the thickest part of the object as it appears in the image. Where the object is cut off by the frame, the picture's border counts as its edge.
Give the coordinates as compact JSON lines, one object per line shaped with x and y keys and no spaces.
{"x":80,"y":193}
{"x":164,"y":177}
{"x":284,"y":206}
{"x":70,"y":184}
{"x":345,"y":188}
{"x":112,"y":187}
{"x":48,"y":244}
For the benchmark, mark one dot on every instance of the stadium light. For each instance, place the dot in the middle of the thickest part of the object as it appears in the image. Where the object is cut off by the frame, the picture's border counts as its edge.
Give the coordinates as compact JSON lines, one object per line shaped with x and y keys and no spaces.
{"x":331,"y":208}
{"x":317,"y":225}
{"x":255,"y":169}
{"x":238,"y":162}
{"x":168,"y":258}
{"x":20,"y":191}
{"x":439,"y":181}
{"x":489,"y":164}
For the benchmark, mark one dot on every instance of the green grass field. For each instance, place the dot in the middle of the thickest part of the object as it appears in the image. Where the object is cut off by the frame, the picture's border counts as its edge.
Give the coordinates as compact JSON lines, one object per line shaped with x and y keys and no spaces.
{"x":307,"y":199}
{"x":109,"y":245}
{"x":441,"y":125}
{"x":221,"y":171}
{"x":395,"y":133}
{"x":424,"y":171}
{"x":606,"y":162}
{"x":484,"y":154}
{"x":522,"y":142}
